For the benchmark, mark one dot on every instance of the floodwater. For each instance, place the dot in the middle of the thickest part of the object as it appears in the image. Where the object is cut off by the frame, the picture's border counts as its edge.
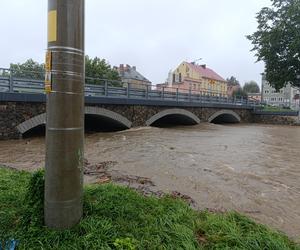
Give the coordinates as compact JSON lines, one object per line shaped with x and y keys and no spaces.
{"x":254,"y":169}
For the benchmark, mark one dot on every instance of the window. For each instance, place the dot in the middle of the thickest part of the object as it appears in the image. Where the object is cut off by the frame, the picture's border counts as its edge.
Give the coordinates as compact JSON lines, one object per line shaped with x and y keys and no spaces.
{"x":179,"y":77}
{"x":173,"y":78}
{"x":194,"y":86}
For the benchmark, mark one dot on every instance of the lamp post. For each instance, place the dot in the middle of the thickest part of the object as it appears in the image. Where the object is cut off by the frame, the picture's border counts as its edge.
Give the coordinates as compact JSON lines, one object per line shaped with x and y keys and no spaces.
{"x":64,"y":86}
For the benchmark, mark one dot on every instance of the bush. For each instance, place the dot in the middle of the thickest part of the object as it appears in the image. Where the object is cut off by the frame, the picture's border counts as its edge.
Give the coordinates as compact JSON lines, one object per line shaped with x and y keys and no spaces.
{"x":34,"y":201}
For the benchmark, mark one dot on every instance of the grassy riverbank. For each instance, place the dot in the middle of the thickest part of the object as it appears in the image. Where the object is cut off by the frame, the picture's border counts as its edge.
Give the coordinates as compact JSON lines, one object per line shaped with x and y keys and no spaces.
{"x":270,"y":108}
{"x":118,"y":218}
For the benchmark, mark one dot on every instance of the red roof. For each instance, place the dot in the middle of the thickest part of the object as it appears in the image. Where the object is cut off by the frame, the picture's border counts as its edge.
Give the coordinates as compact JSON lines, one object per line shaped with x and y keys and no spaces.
{"x":206,"y":72}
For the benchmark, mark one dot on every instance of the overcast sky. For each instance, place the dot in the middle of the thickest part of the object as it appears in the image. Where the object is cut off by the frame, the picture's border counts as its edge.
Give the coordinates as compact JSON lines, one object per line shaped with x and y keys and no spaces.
{"x":154,"y":35}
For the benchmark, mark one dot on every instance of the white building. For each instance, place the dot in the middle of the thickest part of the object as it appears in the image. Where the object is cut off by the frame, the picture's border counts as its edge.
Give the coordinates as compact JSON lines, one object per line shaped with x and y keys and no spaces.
{"x":287,"y":96}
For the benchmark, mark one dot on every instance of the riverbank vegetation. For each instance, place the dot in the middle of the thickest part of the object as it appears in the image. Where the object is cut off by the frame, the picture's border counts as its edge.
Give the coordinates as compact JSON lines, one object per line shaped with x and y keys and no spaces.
{"x":270,"y":108}
{"x":116,"y":217}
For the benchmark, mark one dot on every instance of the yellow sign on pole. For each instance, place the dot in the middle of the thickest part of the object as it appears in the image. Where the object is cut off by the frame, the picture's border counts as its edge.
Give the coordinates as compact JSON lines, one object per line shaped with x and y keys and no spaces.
{"x":48,"y":61}
{"x":48,"y":85}
{"x":48,"y":67}
{"x":52,"y":26}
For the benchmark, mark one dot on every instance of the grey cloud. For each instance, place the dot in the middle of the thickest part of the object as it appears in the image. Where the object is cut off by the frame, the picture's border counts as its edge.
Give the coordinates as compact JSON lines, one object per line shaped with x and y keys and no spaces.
{"x":154,"y":35}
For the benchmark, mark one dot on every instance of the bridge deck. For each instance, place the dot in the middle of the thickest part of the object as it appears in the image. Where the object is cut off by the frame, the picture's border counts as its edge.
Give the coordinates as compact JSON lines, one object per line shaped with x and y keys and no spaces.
{"x":29,"y":90}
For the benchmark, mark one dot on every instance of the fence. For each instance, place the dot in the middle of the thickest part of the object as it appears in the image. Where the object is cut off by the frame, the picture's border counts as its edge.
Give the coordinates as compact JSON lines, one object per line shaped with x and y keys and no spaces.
{"x":13,"y":83}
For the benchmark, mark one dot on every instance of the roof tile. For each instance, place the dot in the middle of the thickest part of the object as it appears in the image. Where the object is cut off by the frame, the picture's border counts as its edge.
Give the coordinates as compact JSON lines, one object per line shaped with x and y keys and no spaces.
{"x":206,"y":72}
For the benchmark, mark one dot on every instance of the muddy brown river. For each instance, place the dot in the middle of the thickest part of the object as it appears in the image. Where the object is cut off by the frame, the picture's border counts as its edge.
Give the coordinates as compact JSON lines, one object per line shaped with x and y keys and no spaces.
{"x":254,"y":169}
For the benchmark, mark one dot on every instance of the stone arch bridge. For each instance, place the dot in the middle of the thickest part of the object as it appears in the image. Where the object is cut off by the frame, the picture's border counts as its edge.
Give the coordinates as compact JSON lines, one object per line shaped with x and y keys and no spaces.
{"x":19,"y":118}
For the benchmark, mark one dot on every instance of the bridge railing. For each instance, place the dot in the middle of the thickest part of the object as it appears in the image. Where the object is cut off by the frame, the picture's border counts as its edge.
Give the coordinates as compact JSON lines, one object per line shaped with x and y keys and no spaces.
{"x":18,"y":83}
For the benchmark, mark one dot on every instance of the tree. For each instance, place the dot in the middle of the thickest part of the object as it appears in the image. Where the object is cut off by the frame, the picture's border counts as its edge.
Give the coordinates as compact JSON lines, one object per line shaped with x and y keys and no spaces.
{"x":94,"y":68}
{"x":99,"y":68}
{"x":277,"y":42}
{"x":251,"y":87}
{"x":240,"y":93}
{"x":28,"y":69}
{"x":232,"y":81}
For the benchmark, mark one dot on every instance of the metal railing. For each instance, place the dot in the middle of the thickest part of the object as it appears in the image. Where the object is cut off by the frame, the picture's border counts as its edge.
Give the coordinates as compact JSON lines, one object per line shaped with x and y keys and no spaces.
{"x":13,"y":83}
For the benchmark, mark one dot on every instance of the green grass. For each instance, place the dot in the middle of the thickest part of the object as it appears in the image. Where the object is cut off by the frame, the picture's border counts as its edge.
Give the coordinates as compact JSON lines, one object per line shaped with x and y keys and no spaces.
{"x":275,"y":109}
{"x":118,"y":218}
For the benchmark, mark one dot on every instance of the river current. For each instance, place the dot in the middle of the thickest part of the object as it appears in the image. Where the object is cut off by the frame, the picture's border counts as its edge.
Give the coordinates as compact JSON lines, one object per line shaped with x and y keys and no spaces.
{"x":254,"y":169}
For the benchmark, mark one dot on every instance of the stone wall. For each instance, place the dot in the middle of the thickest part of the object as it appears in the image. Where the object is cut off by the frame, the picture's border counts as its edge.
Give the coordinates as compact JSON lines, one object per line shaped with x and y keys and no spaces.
{"x":275,"y":119}
{"x":140,"y":114}
{"x":14,"y":113}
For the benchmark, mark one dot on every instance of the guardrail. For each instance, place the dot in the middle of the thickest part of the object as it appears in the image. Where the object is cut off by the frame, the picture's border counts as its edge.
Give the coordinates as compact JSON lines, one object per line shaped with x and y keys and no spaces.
{"x":115,"y":89}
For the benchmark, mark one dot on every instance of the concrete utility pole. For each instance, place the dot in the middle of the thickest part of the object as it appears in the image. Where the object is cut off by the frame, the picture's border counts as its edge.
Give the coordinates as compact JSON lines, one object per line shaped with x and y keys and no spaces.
{"x":298,"y":84}
{"x":64,"y":86}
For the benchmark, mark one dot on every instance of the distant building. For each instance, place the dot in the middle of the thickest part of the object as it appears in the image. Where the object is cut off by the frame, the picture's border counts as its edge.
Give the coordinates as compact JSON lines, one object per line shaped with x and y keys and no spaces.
{"x":254,"y":96}
{"x":285,"y":97}
{"x":130,"y":75}
{"x":160,"y":86}
{"x":197,"y":78}
{"x":231,"y":89}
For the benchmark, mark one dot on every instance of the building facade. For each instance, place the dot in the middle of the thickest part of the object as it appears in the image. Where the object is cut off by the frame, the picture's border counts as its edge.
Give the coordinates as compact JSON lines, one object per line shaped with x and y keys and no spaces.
{"x":197,"y":79}
{"x":254,"y":96}
{"x":129,"y":75}
{"x":287,"y":96}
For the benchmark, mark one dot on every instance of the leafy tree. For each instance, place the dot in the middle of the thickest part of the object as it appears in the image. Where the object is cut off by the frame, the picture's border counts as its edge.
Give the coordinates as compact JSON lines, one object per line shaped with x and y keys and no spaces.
{"x":94,"y":68}
{"x":277,"y":42}
{"x":99,"y":68}
{"x":240,"y":93}
{"x":28,"y":69}
{"x":251,"y":87}
{"x":232,"y":81}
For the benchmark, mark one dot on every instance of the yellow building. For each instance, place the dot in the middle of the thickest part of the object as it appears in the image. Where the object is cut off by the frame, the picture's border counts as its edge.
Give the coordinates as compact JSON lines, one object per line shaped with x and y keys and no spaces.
{"x":197,"y":78}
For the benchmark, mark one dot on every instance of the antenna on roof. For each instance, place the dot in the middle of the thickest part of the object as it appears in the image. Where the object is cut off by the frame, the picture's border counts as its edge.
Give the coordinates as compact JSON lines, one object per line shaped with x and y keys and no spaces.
{"x":194,"y":62}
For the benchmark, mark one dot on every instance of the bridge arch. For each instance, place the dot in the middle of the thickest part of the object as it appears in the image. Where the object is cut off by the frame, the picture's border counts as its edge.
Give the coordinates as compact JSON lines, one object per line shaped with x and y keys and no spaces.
{"x":224,"y":116}
{"x":111,"y":118}
{"x":107,"y":120}
{"x":173,"y":117}
{"x":32,"y":123}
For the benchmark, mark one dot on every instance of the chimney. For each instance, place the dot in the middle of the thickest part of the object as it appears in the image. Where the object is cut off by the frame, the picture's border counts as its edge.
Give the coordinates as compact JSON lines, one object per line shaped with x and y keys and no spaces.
{"x":134,"y":68}
{"x":127,"y":68}
{"x":203,"y":66}
{"x":121,"y":68}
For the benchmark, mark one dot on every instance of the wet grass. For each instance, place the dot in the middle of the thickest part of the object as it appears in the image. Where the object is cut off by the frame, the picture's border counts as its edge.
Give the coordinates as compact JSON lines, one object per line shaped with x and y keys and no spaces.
{"x":275,"y":109}
{"x":118,"y":218}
